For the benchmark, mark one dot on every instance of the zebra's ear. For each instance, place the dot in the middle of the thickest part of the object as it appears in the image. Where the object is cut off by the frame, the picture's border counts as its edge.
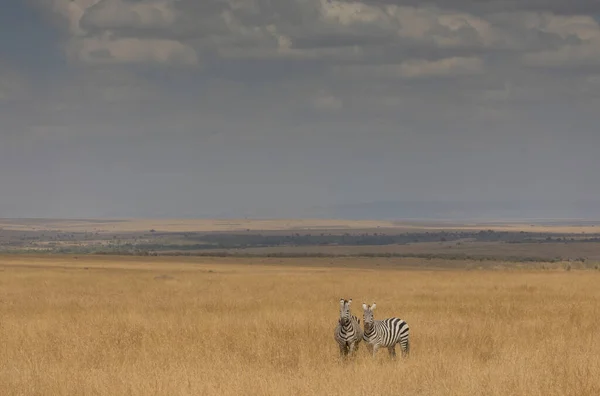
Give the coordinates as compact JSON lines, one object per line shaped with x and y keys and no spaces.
{"x":341,"y":301}
{"x":373,"y":306}
{"x":364,"y":306}
{"x":349,"y":301}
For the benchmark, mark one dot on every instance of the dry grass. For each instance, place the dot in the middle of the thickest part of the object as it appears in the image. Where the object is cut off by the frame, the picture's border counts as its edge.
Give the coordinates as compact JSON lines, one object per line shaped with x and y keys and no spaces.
{"x":133,"y":326}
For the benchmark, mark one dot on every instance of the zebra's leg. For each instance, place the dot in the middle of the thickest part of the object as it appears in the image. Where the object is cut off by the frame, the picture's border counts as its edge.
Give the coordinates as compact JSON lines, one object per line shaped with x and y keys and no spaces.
{"x":343,"y":350}
{"x":392,"y":351}
{"x":352,"y":349}
{"x":375,"y":348}
{"x":406,"y":349}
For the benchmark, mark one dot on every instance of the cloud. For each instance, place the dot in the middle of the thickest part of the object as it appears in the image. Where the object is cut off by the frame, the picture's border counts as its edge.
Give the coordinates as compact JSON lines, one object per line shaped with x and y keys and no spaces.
{"x":114,"y":32}
{"x":580,"y":44}
{"x":329,"y":53}
{"x":179,"y":32}
{"x":290,"y":49}
{"x":417,"y":68}
{"x":107,"y":50}
{"x":444,"y":67}
{"x":587,"y":54}
{"x":119,"y":14}
{"x":572,"y":7}
{"x":69,"y":11}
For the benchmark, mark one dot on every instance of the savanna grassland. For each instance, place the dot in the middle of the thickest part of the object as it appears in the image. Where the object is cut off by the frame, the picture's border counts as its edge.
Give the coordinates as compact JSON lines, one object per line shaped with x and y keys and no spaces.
{"x":264,"y":326}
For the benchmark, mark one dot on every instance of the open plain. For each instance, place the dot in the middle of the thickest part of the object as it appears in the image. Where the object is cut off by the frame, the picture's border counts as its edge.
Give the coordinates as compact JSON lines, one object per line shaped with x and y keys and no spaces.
{"x":103,"y":226}
{"x":111,"y":325}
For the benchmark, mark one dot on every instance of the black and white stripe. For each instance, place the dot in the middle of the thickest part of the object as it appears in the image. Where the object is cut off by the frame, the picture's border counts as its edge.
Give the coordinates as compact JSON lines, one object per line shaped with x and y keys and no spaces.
{"x":348,"y":332}
{"x":385,"y":333}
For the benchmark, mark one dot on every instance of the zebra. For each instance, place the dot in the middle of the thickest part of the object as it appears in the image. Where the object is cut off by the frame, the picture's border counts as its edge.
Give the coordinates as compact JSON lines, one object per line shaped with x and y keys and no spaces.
{"x":348,"y":332}
{"x":385,"y":333}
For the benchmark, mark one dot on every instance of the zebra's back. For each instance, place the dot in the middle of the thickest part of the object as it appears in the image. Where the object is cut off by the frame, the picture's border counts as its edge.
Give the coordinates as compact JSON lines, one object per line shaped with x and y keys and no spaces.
{"x":391,"y":331}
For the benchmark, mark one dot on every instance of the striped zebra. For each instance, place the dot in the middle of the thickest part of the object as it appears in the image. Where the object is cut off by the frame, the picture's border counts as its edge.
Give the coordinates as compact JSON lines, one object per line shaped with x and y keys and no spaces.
{"x":348,"y":332}
{"x":385,"y":333}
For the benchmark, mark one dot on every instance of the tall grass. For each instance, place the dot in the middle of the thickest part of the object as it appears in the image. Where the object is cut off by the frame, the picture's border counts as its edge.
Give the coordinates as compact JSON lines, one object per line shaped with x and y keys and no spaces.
{"x":128,"y":327}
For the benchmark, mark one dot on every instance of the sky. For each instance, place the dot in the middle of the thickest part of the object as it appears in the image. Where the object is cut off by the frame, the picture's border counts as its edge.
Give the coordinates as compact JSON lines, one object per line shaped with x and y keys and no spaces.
{"x":220,"y":108}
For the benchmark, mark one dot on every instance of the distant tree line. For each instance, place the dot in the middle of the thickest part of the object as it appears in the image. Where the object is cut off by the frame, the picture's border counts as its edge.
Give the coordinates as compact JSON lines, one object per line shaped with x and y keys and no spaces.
{"x":198,"y":242}
{"x":241,"y":241}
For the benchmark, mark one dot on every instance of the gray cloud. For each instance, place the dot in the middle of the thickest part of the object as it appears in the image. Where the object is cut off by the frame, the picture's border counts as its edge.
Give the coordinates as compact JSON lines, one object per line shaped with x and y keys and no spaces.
{"x":218,"y":106}
{"x":322,"y":46}
{"x":187,"y":32}
{"x":573,"y":7}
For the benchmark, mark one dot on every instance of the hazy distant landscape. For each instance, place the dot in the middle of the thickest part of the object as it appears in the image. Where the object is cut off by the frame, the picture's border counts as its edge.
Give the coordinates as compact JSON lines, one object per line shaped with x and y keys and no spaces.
{"x":553,"y":241}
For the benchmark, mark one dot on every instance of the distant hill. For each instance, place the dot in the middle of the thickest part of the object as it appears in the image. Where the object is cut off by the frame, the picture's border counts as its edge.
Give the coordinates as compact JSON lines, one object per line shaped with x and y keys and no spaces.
{"x":380,"y":210}
{"x":433,"y":210}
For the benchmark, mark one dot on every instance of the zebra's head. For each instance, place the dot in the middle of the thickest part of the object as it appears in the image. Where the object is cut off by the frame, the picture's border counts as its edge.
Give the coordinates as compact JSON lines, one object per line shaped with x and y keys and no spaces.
{"x":345,"y":314}
{"x":368,"y":313}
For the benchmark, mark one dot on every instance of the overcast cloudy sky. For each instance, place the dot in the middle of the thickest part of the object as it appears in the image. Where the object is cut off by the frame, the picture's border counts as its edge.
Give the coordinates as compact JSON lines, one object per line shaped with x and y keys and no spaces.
{"x":214,"y":107}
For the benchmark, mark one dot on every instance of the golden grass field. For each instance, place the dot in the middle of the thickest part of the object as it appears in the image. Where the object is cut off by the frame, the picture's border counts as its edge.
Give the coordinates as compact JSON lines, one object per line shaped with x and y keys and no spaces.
{"x":224,"y":326}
